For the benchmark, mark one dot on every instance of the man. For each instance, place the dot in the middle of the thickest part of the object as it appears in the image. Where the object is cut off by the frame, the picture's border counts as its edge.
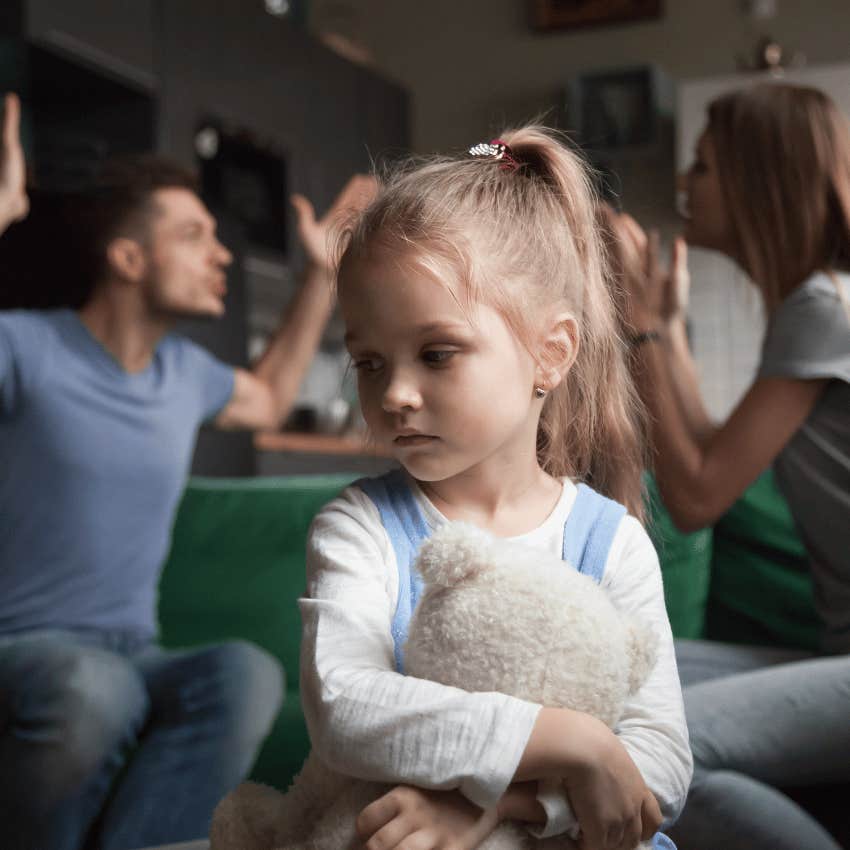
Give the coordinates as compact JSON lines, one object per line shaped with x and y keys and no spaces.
{"x":105,"y":736}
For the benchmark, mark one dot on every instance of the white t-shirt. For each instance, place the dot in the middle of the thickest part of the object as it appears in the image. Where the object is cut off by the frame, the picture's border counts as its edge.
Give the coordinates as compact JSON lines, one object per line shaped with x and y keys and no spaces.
{"x":372,"y":722}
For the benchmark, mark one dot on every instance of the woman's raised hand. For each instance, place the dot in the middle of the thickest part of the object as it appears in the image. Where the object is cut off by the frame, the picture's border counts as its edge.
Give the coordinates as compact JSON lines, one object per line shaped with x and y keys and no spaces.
{"x":652,"y":295}
{"x":14,"y":203}
{"x":411,"y":818}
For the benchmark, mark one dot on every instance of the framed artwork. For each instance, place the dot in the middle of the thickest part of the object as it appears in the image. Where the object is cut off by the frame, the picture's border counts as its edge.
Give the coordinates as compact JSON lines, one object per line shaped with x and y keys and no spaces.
{"x":549,"y":15}
{"x":619,"y":110}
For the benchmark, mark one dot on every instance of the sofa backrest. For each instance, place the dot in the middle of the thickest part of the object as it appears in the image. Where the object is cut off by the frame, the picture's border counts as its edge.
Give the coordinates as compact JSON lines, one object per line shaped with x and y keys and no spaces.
{"x":236,"y":566}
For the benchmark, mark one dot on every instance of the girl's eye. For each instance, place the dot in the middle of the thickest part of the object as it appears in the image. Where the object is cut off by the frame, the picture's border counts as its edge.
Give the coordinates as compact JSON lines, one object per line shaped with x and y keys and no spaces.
{"x":699,"y":167}
{"x":438,"y":356}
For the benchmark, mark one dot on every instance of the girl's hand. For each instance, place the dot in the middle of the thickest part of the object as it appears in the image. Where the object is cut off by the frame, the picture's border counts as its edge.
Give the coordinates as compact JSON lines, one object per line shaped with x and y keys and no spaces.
{"x":615,"y":809}
{"x":415,"y":819}
{"x":652,"y":295}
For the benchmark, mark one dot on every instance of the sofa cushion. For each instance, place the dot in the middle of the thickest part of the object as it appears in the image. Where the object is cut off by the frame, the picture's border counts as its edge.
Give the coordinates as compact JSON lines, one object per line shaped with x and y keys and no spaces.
{"x":685,"y":566}
{"x":761,"y":589}
{"x":236,"y":570}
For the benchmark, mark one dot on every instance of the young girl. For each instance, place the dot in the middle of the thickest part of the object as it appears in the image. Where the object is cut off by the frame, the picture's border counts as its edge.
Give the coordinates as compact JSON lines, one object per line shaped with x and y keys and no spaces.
{"x":481,"y":326}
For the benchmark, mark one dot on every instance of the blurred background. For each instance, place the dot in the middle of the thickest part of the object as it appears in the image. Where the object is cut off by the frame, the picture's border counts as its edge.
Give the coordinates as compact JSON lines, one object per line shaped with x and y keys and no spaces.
{"x":269,"y":97}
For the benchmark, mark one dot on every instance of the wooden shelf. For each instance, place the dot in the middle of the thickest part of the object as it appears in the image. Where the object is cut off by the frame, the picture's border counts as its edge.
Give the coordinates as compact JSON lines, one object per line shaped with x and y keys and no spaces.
{"x":290,"y":441}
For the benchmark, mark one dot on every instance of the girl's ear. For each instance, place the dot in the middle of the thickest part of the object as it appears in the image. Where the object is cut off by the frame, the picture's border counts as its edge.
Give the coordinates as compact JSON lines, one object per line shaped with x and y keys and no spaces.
{"x":126,"y":259}
{"x":558,"y":350}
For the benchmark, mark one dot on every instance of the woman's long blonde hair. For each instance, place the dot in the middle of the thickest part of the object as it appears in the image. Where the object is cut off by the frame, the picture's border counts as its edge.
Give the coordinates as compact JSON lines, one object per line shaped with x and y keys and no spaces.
{"x":783,"y":158}
{"x":524,"y":239}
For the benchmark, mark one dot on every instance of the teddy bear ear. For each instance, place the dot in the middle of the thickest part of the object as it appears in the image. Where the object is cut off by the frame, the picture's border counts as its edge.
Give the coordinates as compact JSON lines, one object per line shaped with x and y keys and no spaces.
{"x":455,"y":552}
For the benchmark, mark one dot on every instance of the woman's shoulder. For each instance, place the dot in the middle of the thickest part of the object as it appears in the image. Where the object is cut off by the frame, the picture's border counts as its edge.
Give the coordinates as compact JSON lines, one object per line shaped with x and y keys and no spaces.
{"x":809,"y":334}
{"x":819,"y":288}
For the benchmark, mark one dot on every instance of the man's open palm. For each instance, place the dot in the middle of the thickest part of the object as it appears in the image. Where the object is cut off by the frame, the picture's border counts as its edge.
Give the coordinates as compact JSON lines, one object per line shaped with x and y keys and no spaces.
{"x":14,"y":203}
{"x":318,"y":235}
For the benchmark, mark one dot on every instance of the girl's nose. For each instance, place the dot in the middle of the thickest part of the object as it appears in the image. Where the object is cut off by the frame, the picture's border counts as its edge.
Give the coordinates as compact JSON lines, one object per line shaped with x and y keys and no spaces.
{"x":400,"y":394}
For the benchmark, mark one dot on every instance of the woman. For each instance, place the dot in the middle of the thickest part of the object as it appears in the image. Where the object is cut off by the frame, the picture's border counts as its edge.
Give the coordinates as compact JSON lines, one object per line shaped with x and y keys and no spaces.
{"x":770,"y":188}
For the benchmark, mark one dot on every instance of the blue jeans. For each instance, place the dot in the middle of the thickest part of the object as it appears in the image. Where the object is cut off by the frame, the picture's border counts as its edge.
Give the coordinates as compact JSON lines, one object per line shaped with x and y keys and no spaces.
{"x":112,"y":743}
{"x":759,"y":719}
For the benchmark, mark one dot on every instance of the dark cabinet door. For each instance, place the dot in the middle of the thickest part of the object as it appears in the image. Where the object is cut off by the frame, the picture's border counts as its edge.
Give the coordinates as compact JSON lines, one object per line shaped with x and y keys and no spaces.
{"x":113,"y":35}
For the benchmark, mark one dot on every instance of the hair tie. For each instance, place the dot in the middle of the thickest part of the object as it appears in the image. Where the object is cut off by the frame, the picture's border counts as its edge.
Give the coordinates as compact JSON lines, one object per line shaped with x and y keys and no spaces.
{"x":498,"y":150}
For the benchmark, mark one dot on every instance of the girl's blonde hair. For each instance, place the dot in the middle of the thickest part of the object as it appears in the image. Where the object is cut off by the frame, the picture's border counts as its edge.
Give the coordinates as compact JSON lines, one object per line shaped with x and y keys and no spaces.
{"x":524,"y":239}
{"x":783,"y":158}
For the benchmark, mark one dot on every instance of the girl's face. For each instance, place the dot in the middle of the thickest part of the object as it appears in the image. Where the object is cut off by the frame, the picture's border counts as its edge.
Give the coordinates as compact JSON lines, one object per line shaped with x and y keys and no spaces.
{"x":707,"y":224}
{"x":446,"y":392}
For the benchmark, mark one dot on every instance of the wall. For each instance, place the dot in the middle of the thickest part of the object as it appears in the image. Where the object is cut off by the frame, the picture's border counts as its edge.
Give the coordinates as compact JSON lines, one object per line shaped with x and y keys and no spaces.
{"x":471,"y":64}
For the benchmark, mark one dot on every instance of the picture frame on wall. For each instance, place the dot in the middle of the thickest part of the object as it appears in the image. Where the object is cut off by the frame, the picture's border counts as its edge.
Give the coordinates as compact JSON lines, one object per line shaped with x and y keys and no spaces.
{"x":619,"y":111}
{"x":549,"y":15}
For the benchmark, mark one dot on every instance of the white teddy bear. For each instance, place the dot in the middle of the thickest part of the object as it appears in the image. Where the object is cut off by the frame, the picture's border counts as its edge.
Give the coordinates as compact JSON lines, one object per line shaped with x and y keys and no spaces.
{"x":493,"y":616}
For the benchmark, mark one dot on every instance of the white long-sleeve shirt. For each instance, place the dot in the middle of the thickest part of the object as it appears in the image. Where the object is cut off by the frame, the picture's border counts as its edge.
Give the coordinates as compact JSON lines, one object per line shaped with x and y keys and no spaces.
{"x":372,"y":722}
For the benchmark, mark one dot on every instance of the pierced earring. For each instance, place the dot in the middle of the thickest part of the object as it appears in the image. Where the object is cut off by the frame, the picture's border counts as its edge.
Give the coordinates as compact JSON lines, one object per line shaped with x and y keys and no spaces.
{"x":539,"y":392}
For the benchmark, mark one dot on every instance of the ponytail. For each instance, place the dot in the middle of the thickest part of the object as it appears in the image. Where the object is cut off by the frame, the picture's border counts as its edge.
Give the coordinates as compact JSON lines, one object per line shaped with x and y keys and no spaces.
{"x":592,"y":426}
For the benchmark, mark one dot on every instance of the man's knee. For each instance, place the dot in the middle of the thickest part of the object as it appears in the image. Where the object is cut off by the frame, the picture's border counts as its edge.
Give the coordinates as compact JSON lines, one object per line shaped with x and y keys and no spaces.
{"x":83,"y":704}
{"x":251,"y":687}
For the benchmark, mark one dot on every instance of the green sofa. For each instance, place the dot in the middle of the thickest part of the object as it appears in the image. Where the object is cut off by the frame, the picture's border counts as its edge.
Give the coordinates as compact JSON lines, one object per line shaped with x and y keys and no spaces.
{"x":236,"y":569}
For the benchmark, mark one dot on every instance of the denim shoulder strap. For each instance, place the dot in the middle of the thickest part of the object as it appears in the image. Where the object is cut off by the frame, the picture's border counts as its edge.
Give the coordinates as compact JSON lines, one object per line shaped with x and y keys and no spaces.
{"x":406,"y":528}
{"x":589,"y":531}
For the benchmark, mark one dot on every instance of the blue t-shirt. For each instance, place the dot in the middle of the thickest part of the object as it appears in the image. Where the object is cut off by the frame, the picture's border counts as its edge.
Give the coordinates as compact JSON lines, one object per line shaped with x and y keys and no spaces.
{"x":93,"y":461}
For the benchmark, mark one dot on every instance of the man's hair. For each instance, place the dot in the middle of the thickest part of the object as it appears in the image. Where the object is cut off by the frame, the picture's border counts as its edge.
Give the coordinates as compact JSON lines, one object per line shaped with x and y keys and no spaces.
{"x":57,"y":255}
{"x":121,"y":202}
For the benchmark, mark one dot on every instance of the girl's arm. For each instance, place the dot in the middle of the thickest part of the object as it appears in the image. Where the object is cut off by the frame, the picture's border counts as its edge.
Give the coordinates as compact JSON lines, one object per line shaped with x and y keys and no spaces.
{"x":652,"y":728}
{"x":373,"y":723}
{"x":651,"y":739}
{"x":441,"y":819}
{"x":365,"y":718}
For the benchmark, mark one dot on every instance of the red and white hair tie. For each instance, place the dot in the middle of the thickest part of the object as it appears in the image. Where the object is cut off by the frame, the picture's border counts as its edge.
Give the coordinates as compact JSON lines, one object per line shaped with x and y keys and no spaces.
{"x":498,"y":150}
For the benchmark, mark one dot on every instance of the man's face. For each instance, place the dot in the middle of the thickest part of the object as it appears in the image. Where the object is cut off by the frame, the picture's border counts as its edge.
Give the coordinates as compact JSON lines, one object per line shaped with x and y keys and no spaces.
{"x":186,"y":263}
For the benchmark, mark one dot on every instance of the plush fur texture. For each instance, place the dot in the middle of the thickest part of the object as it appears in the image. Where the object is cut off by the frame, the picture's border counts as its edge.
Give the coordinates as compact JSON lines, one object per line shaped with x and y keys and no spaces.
{"x":494,"y":616}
